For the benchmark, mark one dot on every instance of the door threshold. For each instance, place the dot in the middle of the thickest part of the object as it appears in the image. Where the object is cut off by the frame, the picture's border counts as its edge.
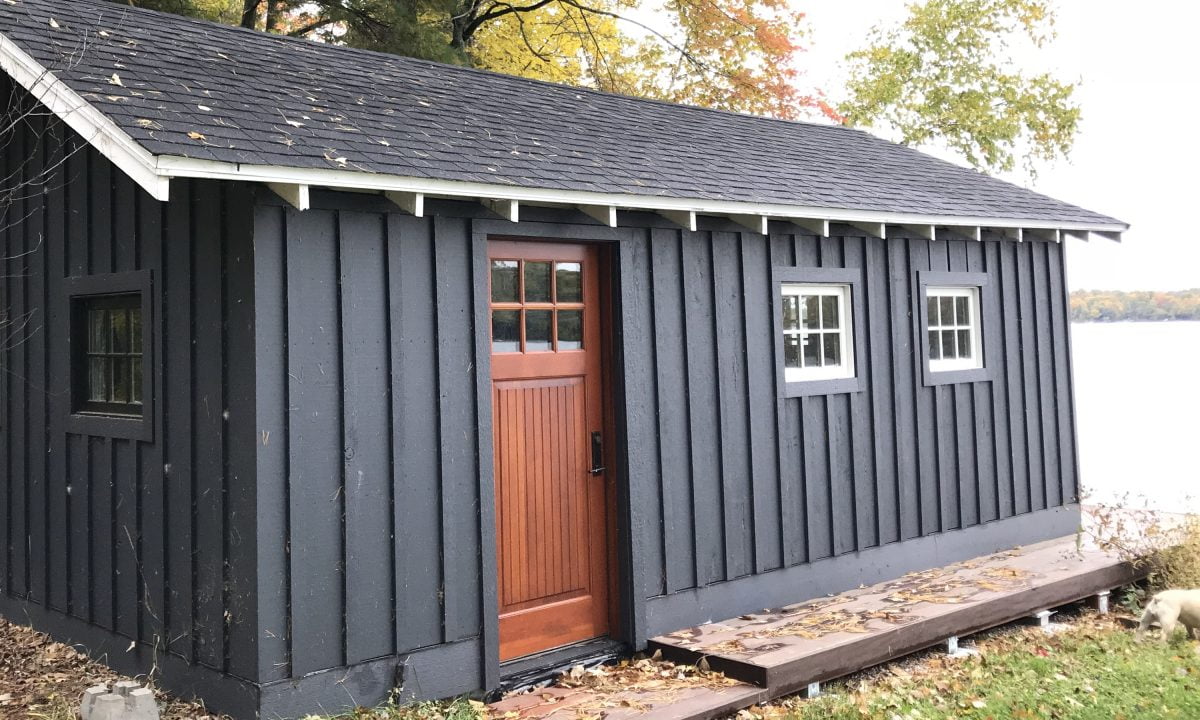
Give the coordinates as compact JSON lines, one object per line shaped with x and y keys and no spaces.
{"x":542,"y":668}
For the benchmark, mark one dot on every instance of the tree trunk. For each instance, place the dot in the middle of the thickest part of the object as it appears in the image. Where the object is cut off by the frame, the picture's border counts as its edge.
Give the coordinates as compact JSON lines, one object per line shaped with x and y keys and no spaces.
{"x":250,"y":13}
{"x":274,"y":15}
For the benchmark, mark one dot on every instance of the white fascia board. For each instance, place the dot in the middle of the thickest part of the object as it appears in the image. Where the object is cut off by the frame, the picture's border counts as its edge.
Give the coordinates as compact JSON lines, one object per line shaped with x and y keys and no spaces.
{"x":412,"y":203}
{"x":753,"y":223}
{"x":685,"y":219}
{"x":81,"y":116}
{"x":295,"y":195}
{"x":174,"y":166}
{"x":603,"y":214}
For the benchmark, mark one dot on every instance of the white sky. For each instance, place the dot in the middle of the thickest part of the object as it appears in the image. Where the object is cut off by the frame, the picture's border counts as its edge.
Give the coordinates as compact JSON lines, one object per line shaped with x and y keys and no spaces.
{"x":1138,"y":149}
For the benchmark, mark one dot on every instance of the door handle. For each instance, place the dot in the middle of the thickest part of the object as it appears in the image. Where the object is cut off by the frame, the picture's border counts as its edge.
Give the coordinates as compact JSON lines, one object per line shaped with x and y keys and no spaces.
{"x":597,"y":454}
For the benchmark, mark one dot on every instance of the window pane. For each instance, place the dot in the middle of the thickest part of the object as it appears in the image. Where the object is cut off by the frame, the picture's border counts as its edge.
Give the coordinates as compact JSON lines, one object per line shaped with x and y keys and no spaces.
{"x":833,"y":349}
{"x":935,"y":347}
{"x":961,"y":311}
{"x":97,"y":332}
{"x":570,"y":329}
{"x":537,"y":283}
{"x":947,"y":311}
{"x":537,"y":329}
{"x":120,"y":380}
{"x":120,"y":331}
{"x":949,"y":346}
{"x":567,"y":282}
{"x":964,"y":343}
{"x":812,"y":350}
{"x":504,"y":281}
{"x":506,"y":331}
{"x":791,"y":312}
{"x":136,"y":380}
{"x":829,"y":311}
{"x":135,"y":331}
{"x":931,"y":308}
{"x":810,"y":315}
{"x":791,"y":351}
{"x":97,"y":380}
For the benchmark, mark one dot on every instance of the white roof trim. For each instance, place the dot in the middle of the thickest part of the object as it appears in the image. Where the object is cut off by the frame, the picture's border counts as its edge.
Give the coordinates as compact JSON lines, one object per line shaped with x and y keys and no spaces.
{"x":81,"y":116}
{"x":154,"y":172}
{"x":295,"y":195}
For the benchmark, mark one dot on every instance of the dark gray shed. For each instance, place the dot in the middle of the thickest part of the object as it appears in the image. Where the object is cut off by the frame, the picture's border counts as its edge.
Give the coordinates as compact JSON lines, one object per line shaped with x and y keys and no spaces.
{"x":330,"y":372}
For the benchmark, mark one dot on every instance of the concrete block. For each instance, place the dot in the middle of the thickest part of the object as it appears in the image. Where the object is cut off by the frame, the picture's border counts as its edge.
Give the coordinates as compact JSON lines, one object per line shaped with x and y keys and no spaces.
{"x":140,"y":705}
{"x":89,"y":700}
{"x":814,"y":690}
{"x":127,"y":701}
{"x":109,"y":707}
{"x":954,"y":650}
{"x":1102,"y":602}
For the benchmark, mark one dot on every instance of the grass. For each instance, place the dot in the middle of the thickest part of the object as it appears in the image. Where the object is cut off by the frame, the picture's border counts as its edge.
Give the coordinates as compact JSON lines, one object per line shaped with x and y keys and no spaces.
{"x":458,"y":709}
{"x":1094,"y":669}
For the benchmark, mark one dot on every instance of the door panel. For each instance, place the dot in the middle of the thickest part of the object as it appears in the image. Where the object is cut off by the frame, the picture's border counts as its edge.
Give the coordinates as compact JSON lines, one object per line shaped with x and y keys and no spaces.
{"x":551,"y":508}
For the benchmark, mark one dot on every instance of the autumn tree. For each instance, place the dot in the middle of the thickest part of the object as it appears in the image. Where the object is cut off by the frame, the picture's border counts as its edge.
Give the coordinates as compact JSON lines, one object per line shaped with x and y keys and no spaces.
{"x":947,"y":76}
{"x":732,"y":54}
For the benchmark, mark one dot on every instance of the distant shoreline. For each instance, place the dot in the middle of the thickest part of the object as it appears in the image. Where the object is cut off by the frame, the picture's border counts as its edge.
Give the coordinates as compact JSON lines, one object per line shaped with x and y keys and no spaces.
{"x":1136,"y":306}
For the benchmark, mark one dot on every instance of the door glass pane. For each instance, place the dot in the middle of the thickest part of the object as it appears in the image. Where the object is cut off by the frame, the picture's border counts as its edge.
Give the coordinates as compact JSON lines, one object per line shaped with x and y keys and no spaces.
{"x":791,"y":312}
{"x":120,"y":331}
{"x":935,"y":347}
{"x":947,"y":311}
{"x":812,"y":350}
{"x":504,"y":281}
{"x":537,"y":329}
{"x":811,"y":312}
{"x":567,"y":282}
{"x":537,"y":283}
{"x":97,"y":335}
{"x":97,"y":385}
{"x":961,"y":311}
{"x":833,"y":349}
{"x":949,"y":345}
{"x":791,"y":351}
{"x":964,"y":343}
{"x":931,"y":308}
{"x":506,"y":331}
{"x":829,"y":311}
{"x":570,"y":329}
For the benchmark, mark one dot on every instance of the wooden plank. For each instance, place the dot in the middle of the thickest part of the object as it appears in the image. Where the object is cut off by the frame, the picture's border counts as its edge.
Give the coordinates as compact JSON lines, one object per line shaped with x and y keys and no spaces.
{"x":944,"y":424}
{"x":881,"y":394}
{"x":35,"y":355}
{"x":814,"y":432}
{"x":78,"y":462}
{"x":1011,"y":313}
{"x":208,"y":426}
{"x":905,"y":373}
{"x":271,"y":441}
{"x":100,"y":502}
{"x":366,"y":437}
{"x":703,"y":416}
{"x":981,"y":400}
{"x":843,"y":516}
{"x":679,"y":525}
{"x":126,"y":591}
{"x":995,"y":341}
{"x":314,"y":442}
{"x":862,"y":419}
{"x":179,"y":362}
{"x":17,"y":544}
{"x":58,"y":375}
{"x":925,"y":435}
{"x":1028,"y":358}
{"x":415,"y":430}
{"x":1046,"y":359}
{"x":729,"y":332}
{"x":1061,"y":326}
{"x":793,"y":500}
{"x":757,"y":305}
{"x":152,"y":495}
{"x":459,"y":422}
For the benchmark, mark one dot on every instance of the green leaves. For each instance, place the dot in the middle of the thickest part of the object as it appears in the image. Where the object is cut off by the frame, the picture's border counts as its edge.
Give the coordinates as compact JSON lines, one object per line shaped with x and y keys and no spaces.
{"x":947,"y":76}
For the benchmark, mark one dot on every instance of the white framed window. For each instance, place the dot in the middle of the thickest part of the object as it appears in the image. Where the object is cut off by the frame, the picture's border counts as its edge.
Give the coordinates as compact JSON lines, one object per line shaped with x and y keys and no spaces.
{"x":818,"y":337}
{"x":953,"y":334}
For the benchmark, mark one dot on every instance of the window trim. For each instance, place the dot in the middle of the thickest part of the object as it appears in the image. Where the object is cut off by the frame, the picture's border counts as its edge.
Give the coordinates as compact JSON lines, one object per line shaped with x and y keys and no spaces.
{"x":844,"y":330}
{"x":926,"y":279}
{"x":83,"y":422}
{"x":851,"y":279}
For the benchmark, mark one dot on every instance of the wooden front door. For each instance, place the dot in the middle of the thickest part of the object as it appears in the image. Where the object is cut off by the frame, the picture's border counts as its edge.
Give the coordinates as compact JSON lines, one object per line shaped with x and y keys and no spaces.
{"x":551,"y":498}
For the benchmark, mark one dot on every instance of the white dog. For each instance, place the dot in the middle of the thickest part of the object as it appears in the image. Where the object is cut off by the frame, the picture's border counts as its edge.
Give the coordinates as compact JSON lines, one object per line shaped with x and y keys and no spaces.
{"x":1171,"y":608}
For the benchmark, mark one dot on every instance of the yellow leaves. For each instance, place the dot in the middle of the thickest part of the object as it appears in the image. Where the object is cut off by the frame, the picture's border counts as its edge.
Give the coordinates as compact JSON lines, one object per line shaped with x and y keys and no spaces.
{"x":197,"y":136}
{"x":116,"y":80}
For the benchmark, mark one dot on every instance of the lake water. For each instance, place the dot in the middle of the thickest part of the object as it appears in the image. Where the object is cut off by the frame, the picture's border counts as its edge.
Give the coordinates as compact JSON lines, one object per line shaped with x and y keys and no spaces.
{"x":1137,"y":395}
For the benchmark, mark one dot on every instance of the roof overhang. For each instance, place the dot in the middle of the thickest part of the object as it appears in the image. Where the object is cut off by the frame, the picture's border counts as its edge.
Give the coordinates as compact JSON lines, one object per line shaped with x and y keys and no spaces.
{"x":154,"y":173}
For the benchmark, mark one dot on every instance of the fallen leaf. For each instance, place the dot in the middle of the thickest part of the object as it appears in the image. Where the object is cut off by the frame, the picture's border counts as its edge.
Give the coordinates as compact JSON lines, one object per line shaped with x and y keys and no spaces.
{"x":53,"y":24}
{"x":115,"y":80}
{"x":197,"y":136}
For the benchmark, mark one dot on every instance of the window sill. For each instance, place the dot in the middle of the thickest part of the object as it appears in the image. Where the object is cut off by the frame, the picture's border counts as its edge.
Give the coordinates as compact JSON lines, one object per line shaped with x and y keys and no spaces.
{"x":955,"y":377}
{"x":835,"y":386}
{"x":116,"y":427}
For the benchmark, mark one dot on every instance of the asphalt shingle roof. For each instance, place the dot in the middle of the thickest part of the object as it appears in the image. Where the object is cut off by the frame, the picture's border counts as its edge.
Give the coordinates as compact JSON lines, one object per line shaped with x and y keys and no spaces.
{"x":266,"y":100}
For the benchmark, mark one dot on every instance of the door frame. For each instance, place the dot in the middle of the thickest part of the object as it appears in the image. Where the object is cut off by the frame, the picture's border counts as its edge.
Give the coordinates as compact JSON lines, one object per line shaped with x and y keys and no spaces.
{"x":626,"y":611}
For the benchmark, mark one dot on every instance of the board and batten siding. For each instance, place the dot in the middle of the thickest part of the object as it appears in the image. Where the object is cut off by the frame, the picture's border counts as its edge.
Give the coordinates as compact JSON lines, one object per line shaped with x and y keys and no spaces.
{"x":138,"y":550}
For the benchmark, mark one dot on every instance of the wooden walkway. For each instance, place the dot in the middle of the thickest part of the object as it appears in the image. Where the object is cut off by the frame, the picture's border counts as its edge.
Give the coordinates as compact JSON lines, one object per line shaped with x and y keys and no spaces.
{"x":766,"y":655}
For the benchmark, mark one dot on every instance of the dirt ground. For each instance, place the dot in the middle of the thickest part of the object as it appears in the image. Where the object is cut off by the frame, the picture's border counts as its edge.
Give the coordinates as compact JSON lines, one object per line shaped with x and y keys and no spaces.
{"x":44,"y":680}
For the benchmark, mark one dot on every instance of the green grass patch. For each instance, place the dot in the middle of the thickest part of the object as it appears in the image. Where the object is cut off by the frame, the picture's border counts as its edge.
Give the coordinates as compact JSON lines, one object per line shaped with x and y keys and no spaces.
{"x":1092,"y":670}
{"x":457,"y":709}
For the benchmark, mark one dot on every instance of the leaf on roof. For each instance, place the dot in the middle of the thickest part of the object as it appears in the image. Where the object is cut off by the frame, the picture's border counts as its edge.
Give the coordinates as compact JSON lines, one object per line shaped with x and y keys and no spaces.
{"x":205,"y":108}
{"x":148,"y":123}
{"x":115,"y":80}
{"x":385,"y":143}
{"x":53,"y":24}
{"x":197,"y":136}
{"x":103,"y":33}
{"x":341,"y":161}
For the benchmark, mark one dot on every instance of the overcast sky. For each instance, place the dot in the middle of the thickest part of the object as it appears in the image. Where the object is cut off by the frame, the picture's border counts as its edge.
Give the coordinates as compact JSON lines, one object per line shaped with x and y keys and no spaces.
{"x":1139,"y":144}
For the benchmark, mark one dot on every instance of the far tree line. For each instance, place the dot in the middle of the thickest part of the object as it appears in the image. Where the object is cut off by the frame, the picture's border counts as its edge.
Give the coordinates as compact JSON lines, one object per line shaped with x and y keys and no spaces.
{"x":1115,"y":305}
